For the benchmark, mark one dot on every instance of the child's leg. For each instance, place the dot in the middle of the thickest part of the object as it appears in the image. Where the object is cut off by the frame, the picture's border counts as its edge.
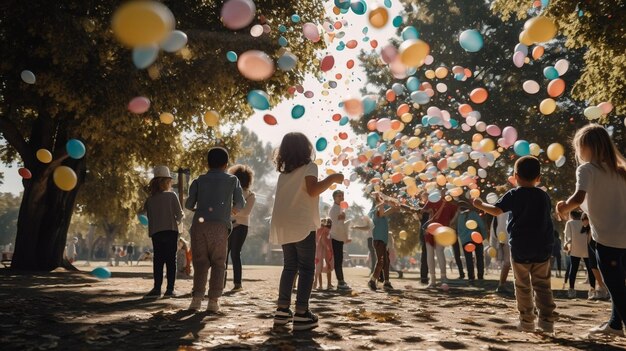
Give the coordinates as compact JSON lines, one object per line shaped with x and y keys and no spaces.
{"x":199,"y":258}
{"x":612,"y":262}
{"x":573,"y":271}
{"x":380,"y":248}
{"x":329,"y":277}
{"x":540,"y":278}
{"x":159,"y":246}
{"x":469,"y":263}
{"x":430,"y":257}
{"x":523,"y":292}
{"x":305,"y":251}
{"x":288,"y":276}
{"x":590,"y":276}
{"x":457,"y":258}
{"x":170,"y":258}
{"x":386,"y":265}
{"x":217,"y":237}
{"x":441,"y":257}
{"x":480,"y":261}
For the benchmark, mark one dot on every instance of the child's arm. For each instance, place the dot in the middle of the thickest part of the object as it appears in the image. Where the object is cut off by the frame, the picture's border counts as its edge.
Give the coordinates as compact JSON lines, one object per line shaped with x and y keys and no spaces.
{"x":315,"y":187}
{"x":238,"y":200}
{"x":247,"y":209}
{"x":178,"y":211}
{"x":190,"y":204}
{"x":563,"y":208}
{"x":492,"y":210}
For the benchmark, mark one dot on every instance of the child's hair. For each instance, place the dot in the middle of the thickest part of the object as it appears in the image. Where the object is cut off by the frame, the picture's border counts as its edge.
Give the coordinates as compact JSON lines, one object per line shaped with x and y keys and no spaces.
{"x":244,"y":173}
{"x":327,"y":222}
{"x":295,"y":151}
{"x":597,"y":140}
{"x":217,"y":157}
{"x":184,"y":242}
{"x":528,"y":168}
{"x":585,"y":228}
{"x":159,"y":185}
{"x":336,"y":193}
{"x":575,"y":215}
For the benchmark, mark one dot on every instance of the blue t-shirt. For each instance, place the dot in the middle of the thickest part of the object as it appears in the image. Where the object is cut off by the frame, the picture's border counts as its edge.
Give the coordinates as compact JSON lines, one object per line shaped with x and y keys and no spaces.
{"x":381,"y":225}
{"x":529,"y":225}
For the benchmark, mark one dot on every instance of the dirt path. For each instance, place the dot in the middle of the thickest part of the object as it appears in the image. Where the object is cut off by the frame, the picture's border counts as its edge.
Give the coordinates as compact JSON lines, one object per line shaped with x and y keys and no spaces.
{"x":74,"y":311}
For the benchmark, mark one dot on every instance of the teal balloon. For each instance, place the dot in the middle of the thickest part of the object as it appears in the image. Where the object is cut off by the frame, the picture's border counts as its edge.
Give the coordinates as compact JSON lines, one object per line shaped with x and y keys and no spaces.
{"x":388,"y":4}
{"x":287,"y":61}
{"x":344,"y":11}
{"x":550,"y":72}
{"x":101,"y":273}
{"x":297,"y":111}
{"x":521,"y":148}
{"x":411,"y":71}
{"x":258,"y":99}
{"x":372,"y":139}
{"x":471,"y":40}
{"x":282,"y":28}
{"x":231,"y":56}
{"x":143,"y":57}
{"x":282,"y":41}
{"x":410,"y":32}
{"x":459,"y":76}
{"x":321,"y":144}
{"x":75,"y":149}
{"x":434,"y":120}
{"x":342,"y":4}
{"x":175,"y":41}
{"x":398,"y":88}
{"x":295,"y":18}
{"x":359,"y":7}
{"x":420,"y":97}
{"x":344,"y":120}
{"x":143,"y":220}
{"x":369,"y":105}
{"x":454,"y":123}
{"x":434,"y":196}
{"x":425,"y":120}
{"x":397,"y":21}
{"x":382,"y":148}
{"x":412,"y":84}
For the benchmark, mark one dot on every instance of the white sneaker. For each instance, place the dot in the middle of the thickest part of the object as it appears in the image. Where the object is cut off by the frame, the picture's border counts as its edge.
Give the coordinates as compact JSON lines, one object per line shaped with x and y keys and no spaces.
{"x":196,"y":303}
{"x":592,"y":294}
{"x":571,"y":293}
{"x":605,"y":329}
{"x":601,"y":294}
{"x":214,"y":306}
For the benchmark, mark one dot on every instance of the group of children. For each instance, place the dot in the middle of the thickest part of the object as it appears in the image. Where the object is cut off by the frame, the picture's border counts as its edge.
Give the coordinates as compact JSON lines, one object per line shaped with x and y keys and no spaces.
{"x":295,"y":225}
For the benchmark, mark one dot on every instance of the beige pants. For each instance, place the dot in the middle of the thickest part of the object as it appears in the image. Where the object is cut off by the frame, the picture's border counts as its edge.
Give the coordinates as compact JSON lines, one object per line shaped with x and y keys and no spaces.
{"x":209,"y":244}
{"x":535,"y":277}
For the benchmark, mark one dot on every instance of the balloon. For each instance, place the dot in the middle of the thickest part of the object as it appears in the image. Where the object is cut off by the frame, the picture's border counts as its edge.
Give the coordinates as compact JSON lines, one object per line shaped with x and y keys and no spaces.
{"x":606,"y":107}
{"x":342,"y":4}
{"x":560,"y":161}
{"x":139,"y":105}
{"x":538,"y":52}
{"x":535,"y":149}
{"x":211,"y":119}
{"x":412,"y":83}
{"x":64,"y":178}
{"x":561,"y":66}
{"x":389,"y":53}
{"x":469,"y":247}
{"x":521,"y":47}
{"x":479,"y":95}
{"x":492,"y":198}
{"x":556,"y":87}
{"x":540,"y":29}
{"x":258,"y":99}
{"x":502,"y":237}
{"x":166,"y":118}
{"x":471,"y":40}
{"x":521,"y":148}
{"x":295,"y":18}
{"x":550,"y":73}
{"x":432,"y":227}
{"x":410,"y":32}
{"x":413,"y":52}
{"x":445,"y":236}
{"x":255,"y":65}
{"x":282,"y":41}
{"x":144,"y":56}
{"x":353,"y":107}
{"x":231,"y":56}
{"x":372,"y":139}
{"x":378,"y":17}
{"x":397,"y":21}
{"x":369,"y":105}
{"x":492,"y":252}
{"x":471,"y":224}
{"x":525,"y":39}
{"x":287,"y":61}
{"x":403,"y":235}
{"x":311,"y":32}
{"x":75,"y":149}
{"x":44,"y":156}
{"x":175,"y":41}
{"x":344,"y":205}
{"x":531,"y":87}
{"x":270,"y":120}
{"x":441,"y":72}
{"x":420,"y":97}
{"x":359,"y":7}
{"x":477,"y":237}
{"x":28,"y":77}
{"x":547,"y":106}
{"x":593,"y":112}
{"x":518,"y":59}
{"x":555,"y":151}
{"x":297,"y":111}
{"x":321,"y":144}
{"x":143,"y":220}
{"x":237,"y":14}
{"x":142,"y":23}
{"x":24,"y":173}
{"x":327,"y":63}
{"x":101,"y":273}
{"x":493,"y":130}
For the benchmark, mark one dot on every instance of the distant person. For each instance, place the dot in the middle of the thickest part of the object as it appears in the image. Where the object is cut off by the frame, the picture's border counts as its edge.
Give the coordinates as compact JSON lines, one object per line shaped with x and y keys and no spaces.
{"x":381,"y":209}
{"x":339,"y":237}
{"x":324,"y":256}
{"x":499,"y":239}
{"x":130,"y":253}
{"x":465,"y":214}
{"x":557,"y":248}
{"x":71,"y":250}
{"x":577,"y":240}
{"x":444,"y":213}
{"x":183,"y":264}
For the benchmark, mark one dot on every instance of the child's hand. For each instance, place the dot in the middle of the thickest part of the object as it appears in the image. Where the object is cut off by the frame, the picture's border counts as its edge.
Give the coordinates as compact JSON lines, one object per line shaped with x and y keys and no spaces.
{"x":560,"y":210}
{"x":337,"y":178}
{"x":477,"y":202}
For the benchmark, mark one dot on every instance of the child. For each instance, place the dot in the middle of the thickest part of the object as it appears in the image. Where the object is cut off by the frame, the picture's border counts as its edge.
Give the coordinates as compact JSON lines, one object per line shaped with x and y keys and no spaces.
{"x":556,"y":253}
{"x":182,"y":268}
{"x":323,"y":254}
{"x":601,"y":293}
{"x":241,"y":222}
{"x":164,"y":215}
{"x":212,"y":196}
{"x":295,"y":219}
{"x":380,"y":234}
{"x":500,"y":241}
{"x":576,"y":239}
{"x":339,"y":236}
{"x":465,"y":237}
{"x":530,"y":228}
{"x":601,"y":193}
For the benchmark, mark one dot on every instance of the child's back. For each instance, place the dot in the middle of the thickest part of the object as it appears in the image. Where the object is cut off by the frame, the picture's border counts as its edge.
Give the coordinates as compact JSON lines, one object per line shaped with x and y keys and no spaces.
{"x":213,"y":194}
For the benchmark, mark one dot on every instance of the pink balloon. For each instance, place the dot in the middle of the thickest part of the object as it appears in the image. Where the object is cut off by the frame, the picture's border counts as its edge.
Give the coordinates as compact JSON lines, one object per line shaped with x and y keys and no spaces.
{"x":255,"y":65}
{"x":428,"y":60}
{"x":434,"y":111}
{"x":481,"y":126}
{"x":465,"y":127}
{"x":510,"y":135}
{"x":383,"y":125}
{"x":493,"y":130}
{"x":139,"y":105}
{"x":327,"y":63}
{"x":502,"y":142}
{"x":606,"y":107}
{"x":518,"y":59}
{"x":311,"y":32}
{"x":531,"y":87}
{"x":389,"y":53}
{"x":398,"y":69}
{"x":237,"y":14}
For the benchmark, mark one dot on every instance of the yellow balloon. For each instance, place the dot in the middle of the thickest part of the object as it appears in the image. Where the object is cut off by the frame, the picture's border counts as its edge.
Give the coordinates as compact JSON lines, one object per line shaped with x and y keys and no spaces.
{"x":547,"y":106}
{"x":142,"y":23}
{"x":419,"y":166}
{"x":474,"y":193}
{"x":64,"y":178}
{"x":456,"y":192}
{"x":555,"y":151}
{"x":535,"y":149}
{"x":337,"y":150}
{"x":211,"y":119}
{"x":441,"y":72}
{"x":502,"y":237}
{"x":413,"y":52}
{"x":413,"y":142}
{"x":471,"y":224}
{"x":430,"y":74}
{"x":540,"y":29}
{"x":525,"y":39}
{"x":406,"y":118}
{"x":403,"y":235}
{"x":412,"y":190}
{"x":166,"y":118}
{"x":487,"y":145}
{"x":319,"y":161}
{"x":492,"y":252}
{"x":44,"y":156}
{"x":445,"y":236}
{"x":378,"y":17}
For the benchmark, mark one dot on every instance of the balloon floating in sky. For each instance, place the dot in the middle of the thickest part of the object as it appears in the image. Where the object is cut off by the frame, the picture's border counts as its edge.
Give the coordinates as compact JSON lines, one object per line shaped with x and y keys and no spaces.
{"x":297,"y":111}
{"x":540,"y":29}
{"x":139,"y":105}
{"x":409,"y":32}
{"x":142,"y":23}
{"x":64,"y":178}
{"x":255,"y":65}
{"x":547,"y":106}
{"x":359,"y":7}
{"x":44,"y":156}
{"x":175,"y":41}
{"x":471,"y":40}
{"x":28,"y":77}
{"x":413,"y":52}
{"x":258,"y":99}
{"x":378,"y":17}
{"x":231,"y":56}
{"x":521,"y":148}
{"x":238,"y":14}
{"x":270,"y":120}
{"x":211,"y":119}
{"x":327,"y":63}
{"x":311,"y":32}
{"x":24,"y":173}
{"x":143,"y":219}
{"x":555,"y":151}
{"x":144,"y":56}
{"x":101,"y":273}
{"x":321,"y":144}
{"x":445,"y":236}
{"x":166,"y":118}
{"x":75,"y":149}
{"x":531,"y":87}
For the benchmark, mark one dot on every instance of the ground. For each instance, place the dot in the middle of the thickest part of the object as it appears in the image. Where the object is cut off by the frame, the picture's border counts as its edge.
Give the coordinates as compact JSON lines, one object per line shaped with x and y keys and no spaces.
{"x":74,"y":311}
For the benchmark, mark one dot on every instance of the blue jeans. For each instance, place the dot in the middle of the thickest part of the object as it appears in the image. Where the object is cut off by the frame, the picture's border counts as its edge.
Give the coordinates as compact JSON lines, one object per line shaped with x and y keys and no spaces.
{"x":612,"y":262}
{"x":298,"y":258}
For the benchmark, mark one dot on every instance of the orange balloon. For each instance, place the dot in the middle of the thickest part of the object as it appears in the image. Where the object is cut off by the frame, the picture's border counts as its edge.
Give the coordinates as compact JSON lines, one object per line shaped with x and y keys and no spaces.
{"x":556,"y":87}
{"x":538,"y":52}
{"x":395,"y":124}
{"x":465,"y":109}
{"x":371,"y":125}
{"x":397,"y":177}
{"x":402,"y":109}
{"x":352,"y":44}
{"x":350,"y":64}
{"x":479,"y":95}
{"x":374,"y":44}
{"x":468,"y":72}
{"x":477,"y":237}
{"x":469,"y":247}
{"x":390,"y":95}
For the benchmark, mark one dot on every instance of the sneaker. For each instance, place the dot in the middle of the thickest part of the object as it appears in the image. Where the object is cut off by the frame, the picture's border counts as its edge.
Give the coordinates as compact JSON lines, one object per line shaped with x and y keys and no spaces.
{"x":236,"y":288}
{"x":196,"y":303}
{"x":330,"y":287}
{"x":213,"y":306}
{"x":343,"y":286}
{"x":400,"y":274}
{"x":527,"y":327}
{"x":388,"y":286}
{"x":605,"y":329}
{"x":170,"y":294}
{"x":571,"y":294}
{"x":282,"y":316}
{"x":372,"y":285}
{"x":153,"y":294}
{"x":591,"y":295}
{"x":546,"y":327}
{"x":501,"y":289}
{"x":304,"y":321}
{"x":601,"y":294}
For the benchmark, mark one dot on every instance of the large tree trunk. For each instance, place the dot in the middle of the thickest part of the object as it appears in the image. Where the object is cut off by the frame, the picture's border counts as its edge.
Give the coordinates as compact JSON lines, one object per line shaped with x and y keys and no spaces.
{"x":44,"y":219}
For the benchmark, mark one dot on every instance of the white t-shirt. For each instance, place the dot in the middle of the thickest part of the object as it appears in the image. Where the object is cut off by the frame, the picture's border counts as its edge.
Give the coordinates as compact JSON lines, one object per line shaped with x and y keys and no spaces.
{"x":339,"y":230}
{"x":577,"y":240}
{"x":605,"y":204}
{"x":295,"y":213}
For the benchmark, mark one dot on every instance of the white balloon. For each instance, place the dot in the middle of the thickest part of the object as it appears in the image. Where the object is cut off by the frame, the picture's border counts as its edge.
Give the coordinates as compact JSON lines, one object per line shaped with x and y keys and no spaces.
{"x":481,"y":126}
{"x":256,"y":30}
{"x":492,"y":198}
{"x":175,"y":41}
{"x":28,"y":77}
{"x":531,"y":87}
{"x":561,"y":66}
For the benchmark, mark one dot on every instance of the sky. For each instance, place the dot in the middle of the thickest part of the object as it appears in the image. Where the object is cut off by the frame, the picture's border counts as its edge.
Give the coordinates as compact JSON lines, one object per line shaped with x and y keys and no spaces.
{"x":317,"y":120}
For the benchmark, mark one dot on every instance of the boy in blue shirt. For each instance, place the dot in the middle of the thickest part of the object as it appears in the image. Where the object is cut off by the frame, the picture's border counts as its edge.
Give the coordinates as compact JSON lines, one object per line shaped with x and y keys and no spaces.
{"x":530,"y":229}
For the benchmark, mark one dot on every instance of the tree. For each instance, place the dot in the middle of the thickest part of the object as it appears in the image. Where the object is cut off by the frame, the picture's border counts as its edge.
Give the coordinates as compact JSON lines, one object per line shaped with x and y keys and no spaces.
{"x":9,"y":209}
{"x":84,"y":81}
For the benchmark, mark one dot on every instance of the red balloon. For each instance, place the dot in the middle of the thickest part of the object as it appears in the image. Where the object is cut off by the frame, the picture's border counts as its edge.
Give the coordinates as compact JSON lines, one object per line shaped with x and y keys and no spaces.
{"x":336,"y":117}
{"x":327,"y":63}
{"x":343,"y":135}
{"x":350,"y":64}
{"x":477,"y":237}
{"x":271,"y":120}
{"x":432,"y":227}
{"x":25,"y":173}
{"x":469,"y":247}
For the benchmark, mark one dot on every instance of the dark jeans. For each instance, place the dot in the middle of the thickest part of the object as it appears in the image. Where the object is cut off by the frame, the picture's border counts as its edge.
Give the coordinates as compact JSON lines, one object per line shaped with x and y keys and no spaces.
{"x":573,"y":271}
{"x":165,"y":244}
{"x":568,"y":266}
{"x":370,"y":245}
{"x":591,"y":250}
{"x":382,"y":262}
{"x":480,"y":262}
{"x":423,"y":258}
{"x":457,"y":258}
{"x":612,"y":262}
{"x":338,"y":258}
{"x":235,"y":242}
{"x":298,"y":258}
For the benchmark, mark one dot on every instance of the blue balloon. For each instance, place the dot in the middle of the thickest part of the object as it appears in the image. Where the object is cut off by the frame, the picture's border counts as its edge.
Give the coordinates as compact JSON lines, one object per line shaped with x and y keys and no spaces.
{"x":359,"y":7}
{"x":435,"y":196}
{"x":425,"y":120}
{"x":398,"y":88}
{"x":545,"y":3}
{"x":411,"y":71}
{"x":372,"y":139}
{"x":434,"y":120}
{"x":410,"y":32}
{"x":369,"y":105}
{"x":297,"y":111}
{"x":454,"y":123}
{"x":459,"y":76}
{"x":75,"y":149}
{"x":420,"y":97}
{"x":258,"y":99}
{"x":388,"y":4}
{"x":282,"y":28}
{"x":397,"y":21}
{"x":287,"y":61}
{"x":521,"y":47}
{"x":412,"y":83}
{"x":143,"y":220}
{"x":344,"y":120}
{"x":295,"y":18}
{"x":471,"y":40}
{"x":231,"y":56}
{"x":282,"y":41}
{"x":382,"y":148}
{"x":521,"y":148}
{"x":143,"y":57}
{"x":321,"y":144}
{"x":175,"y":41}
{"x":550,"y":72}
{"x":342,"y":4}
{"x":101,"y":273}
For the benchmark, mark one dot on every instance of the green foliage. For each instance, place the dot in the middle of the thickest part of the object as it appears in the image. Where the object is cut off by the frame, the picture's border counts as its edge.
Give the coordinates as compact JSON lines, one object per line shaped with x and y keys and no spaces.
{"x":9,"y":209}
